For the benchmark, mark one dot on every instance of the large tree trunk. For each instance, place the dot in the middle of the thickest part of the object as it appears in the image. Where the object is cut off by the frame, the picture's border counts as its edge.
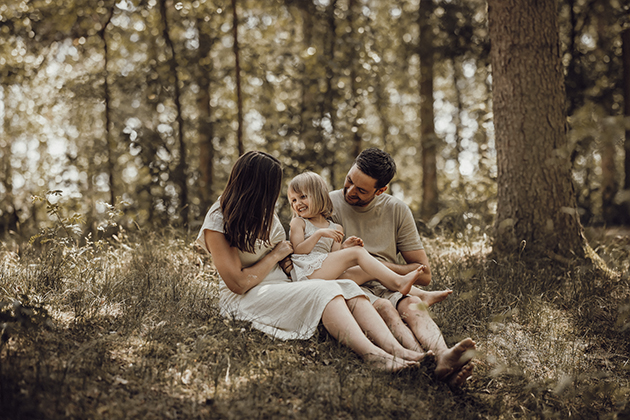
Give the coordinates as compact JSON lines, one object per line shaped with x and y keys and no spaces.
{"x":625,"y":40}
{"x":536,"y":207}
{"x":428,"y":139}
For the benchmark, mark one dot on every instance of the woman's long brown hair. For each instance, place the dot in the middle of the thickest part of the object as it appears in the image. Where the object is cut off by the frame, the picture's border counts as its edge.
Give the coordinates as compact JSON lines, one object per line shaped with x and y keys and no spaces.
{"x":249,"y":199}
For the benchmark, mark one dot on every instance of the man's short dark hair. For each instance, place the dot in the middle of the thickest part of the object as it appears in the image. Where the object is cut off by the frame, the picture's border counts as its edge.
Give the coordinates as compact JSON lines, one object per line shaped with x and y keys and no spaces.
{"x":376,"y":164}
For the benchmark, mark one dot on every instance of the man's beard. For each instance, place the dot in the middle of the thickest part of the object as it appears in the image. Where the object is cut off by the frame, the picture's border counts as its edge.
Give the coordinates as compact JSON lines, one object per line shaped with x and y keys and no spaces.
{"x":355,"y":201}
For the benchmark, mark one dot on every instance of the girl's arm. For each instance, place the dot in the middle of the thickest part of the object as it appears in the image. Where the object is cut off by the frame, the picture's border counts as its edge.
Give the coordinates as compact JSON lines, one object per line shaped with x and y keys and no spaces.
{"x":301,"y":245}
{"x":228,"y":264}
{"x":304,"y":246}
{"x":337,"y":245}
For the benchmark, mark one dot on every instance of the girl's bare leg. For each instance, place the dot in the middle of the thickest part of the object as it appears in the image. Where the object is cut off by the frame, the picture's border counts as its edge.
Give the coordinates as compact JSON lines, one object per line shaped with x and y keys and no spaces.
{"x":376,"y":329}
{"x":336,"y":263}
{"x":341,"y":323}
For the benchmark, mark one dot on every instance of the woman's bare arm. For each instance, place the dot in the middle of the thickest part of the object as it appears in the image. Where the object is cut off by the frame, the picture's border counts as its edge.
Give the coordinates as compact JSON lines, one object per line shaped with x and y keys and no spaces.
{"x":228,"y":264}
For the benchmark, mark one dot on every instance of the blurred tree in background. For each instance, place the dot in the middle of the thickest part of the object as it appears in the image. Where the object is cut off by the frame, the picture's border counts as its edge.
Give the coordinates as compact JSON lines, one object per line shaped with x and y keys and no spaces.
{"x":148,"y":102}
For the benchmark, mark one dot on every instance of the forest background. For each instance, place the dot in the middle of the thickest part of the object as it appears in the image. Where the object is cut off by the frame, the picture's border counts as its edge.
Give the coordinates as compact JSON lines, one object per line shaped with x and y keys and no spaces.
{"x":124,"y":118}
{"x":149,"y":103}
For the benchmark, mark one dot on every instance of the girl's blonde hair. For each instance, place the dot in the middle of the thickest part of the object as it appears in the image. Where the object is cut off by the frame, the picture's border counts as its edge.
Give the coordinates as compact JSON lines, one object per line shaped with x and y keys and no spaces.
{"x":313,"y":186}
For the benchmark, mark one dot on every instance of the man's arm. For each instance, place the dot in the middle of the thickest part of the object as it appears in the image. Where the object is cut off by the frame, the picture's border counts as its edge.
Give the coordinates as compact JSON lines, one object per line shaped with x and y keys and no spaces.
{"x":413,"y":259}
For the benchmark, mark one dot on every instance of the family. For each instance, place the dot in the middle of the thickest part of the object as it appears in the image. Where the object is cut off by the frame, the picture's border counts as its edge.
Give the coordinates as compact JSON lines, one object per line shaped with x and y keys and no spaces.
{"x":357,"y":288}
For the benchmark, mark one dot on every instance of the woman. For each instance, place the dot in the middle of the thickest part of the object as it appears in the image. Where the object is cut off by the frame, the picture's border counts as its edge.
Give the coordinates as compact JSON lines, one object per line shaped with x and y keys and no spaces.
{"x":247,"y":241}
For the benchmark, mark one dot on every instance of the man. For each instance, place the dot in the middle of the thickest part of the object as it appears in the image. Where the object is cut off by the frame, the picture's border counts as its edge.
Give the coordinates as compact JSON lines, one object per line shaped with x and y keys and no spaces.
{"x":385,"y":226}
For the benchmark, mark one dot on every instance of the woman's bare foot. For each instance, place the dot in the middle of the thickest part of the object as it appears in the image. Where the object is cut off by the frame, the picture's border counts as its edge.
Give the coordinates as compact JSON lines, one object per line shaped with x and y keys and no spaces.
{"x":452,"y":360}
{"x":409,"y":279}
{"x":388,"y":362}
{"x":411,"y":355}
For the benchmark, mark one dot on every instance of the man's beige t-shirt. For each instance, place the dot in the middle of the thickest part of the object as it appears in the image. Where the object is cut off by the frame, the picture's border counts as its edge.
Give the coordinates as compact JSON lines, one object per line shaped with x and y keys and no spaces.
{"x":386,"y":226}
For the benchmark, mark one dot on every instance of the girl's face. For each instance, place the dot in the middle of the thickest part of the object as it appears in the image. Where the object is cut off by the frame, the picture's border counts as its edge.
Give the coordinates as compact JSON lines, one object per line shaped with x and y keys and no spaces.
{"x":300,"y":204}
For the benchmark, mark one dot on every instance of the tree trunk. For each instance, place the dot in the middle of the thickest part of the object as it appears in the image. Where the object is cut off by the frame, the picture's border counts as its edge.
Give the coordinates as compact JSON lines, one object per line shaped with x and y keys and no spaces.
{"x":308,"y":134}
{"x":205,"y":131}
{"x":536,"y":206}
{"x":328,"y":111}
{"x":625,"y":41}
{"x":237,"y":75}
{"x":353,"y":63}
{"x":610,"y":185}
{"x":180,"y":168}
{"x":428,"y":139}
{"x":111,"y":145}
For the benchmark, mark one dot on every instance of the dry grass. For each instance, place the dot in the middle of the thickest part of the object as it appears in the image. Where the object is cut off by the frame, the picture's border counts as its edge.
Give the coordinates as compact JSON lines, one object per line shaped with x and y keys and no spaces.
{"x":136,"y":333}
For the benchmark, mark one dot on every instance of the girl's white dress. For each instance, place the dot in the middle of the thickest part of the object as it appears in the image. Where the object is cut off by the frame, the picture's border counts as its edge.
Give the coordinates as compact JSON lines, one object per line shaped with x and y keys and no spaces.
{"x":305,"y":264}
{"x":276,"y":306}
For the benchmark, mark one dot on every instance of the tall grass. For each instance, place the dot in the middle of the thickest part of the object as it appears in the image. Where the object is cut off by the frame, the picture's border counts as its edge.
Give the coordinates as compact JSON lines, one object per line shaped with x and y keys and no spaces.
{"x":128,"y":327}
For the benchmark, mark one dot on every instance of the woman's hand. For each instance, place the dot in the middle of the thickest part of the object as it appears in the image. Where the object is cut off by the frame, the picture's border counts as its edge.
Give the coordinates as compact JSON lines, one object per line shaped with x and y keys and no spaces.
{"x":228,"y":263}
{"x":283,"y":250}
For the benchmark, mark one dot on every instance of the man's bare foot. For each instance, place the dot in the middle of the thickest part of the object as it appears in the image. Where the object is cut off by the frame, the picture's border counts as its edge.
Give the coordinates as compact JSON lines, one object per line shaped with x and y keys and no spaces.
{"x":458,"y":378}
{"x":388,"y":363}
{"x":434,"y":296}
{"x":453,"y":359}
{"x":409,"y":279}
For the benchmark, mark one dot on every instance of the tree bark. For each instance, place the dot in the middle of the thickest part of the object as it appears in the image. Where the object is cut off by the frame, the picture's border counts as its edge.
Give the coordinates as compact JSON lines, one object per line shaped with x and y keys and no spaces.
{"x":237,"y":75}
{"x":111,"y":145}
{"x":180,"y":168}
{"x":428,"y":139}
{"x":205,"y":132}
{"x":625,"y":198}
{"x":625,"y":40}
{"x":536,"y":206}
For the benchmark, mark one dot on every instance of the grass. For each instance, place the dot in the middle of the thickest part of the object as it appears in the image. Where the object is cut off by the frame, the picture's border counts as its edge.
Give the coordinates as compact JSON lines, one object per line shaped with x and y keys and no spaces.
{"x":129,"y":328}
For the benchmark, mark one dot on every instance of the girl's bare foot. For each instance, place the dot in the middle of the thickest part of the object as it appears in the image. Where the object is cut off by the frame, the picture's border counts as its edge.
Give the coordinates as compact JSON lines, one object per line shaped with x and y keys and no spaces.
{"x":409,"y":280}
{"x":434,"y":296}
{"x":453,"y":359}
{"x":387,"y":363}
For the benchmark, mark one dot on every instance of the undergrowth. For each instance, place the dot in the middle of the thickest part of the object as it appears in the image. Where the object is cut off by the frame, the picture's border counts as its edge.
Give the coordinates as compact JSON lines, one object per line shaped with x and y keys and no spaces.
{"x":127,"y":326}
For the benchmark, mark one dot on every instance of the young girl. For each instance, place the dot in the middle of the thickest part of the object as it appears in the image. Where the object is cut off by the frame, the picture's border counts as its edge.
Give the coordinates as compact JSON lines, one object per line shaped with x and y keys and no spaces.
{"x":316,"y":241}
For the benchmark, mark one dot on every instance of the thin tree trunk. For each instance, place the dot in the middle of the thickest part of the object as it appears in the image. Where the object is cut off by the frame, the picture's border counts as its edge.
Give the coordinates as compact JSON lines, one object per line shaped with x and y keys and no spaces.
{"x":205,"y":131}
{"x":237,"y":73}
{"x":111,"y":145}
{"x":180,"y":168}
{"x":536,"y":207}
{"x":309,"y":134}
{"x":457,"y":76}
{"x":428,"y":139}
{"x":327,"y":108}
{"x":353,"y":62}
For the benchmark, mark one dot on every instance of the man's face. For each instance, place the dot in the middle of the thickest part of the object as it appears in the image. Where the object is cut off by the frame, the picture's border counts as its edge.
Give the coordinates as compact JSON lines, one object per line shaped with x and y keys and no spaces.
{"x":360,"y":189}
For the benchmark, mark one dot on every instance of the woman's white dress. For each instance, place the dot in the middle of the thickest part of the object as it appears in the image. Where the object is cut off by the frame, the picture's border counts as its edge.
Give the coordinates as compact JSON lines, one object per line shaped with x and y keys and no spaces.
{"x":305,"y":264}
{"x":277,"y":306}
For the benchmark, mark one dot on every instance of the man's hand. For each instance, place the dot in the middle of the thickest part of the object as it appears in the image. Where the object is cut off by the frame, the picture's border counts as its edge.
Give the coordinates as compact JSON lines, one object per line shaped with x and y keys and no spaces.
{"x":352,"y":241}
{"x":287,"y":265}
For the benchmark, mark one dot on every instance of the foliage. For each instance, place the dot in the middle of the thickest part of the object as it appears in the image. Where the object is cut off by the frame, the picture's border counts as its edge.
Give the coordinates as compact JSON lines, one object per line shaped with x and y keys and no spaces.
{"x":320,"y":79}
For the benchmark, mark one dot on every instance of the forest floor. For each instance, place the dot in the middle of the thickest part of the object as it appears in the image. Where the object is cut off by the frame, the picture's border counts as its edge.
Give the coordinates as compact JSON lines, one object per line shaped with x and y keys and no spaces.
{"x":129,"y":328}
